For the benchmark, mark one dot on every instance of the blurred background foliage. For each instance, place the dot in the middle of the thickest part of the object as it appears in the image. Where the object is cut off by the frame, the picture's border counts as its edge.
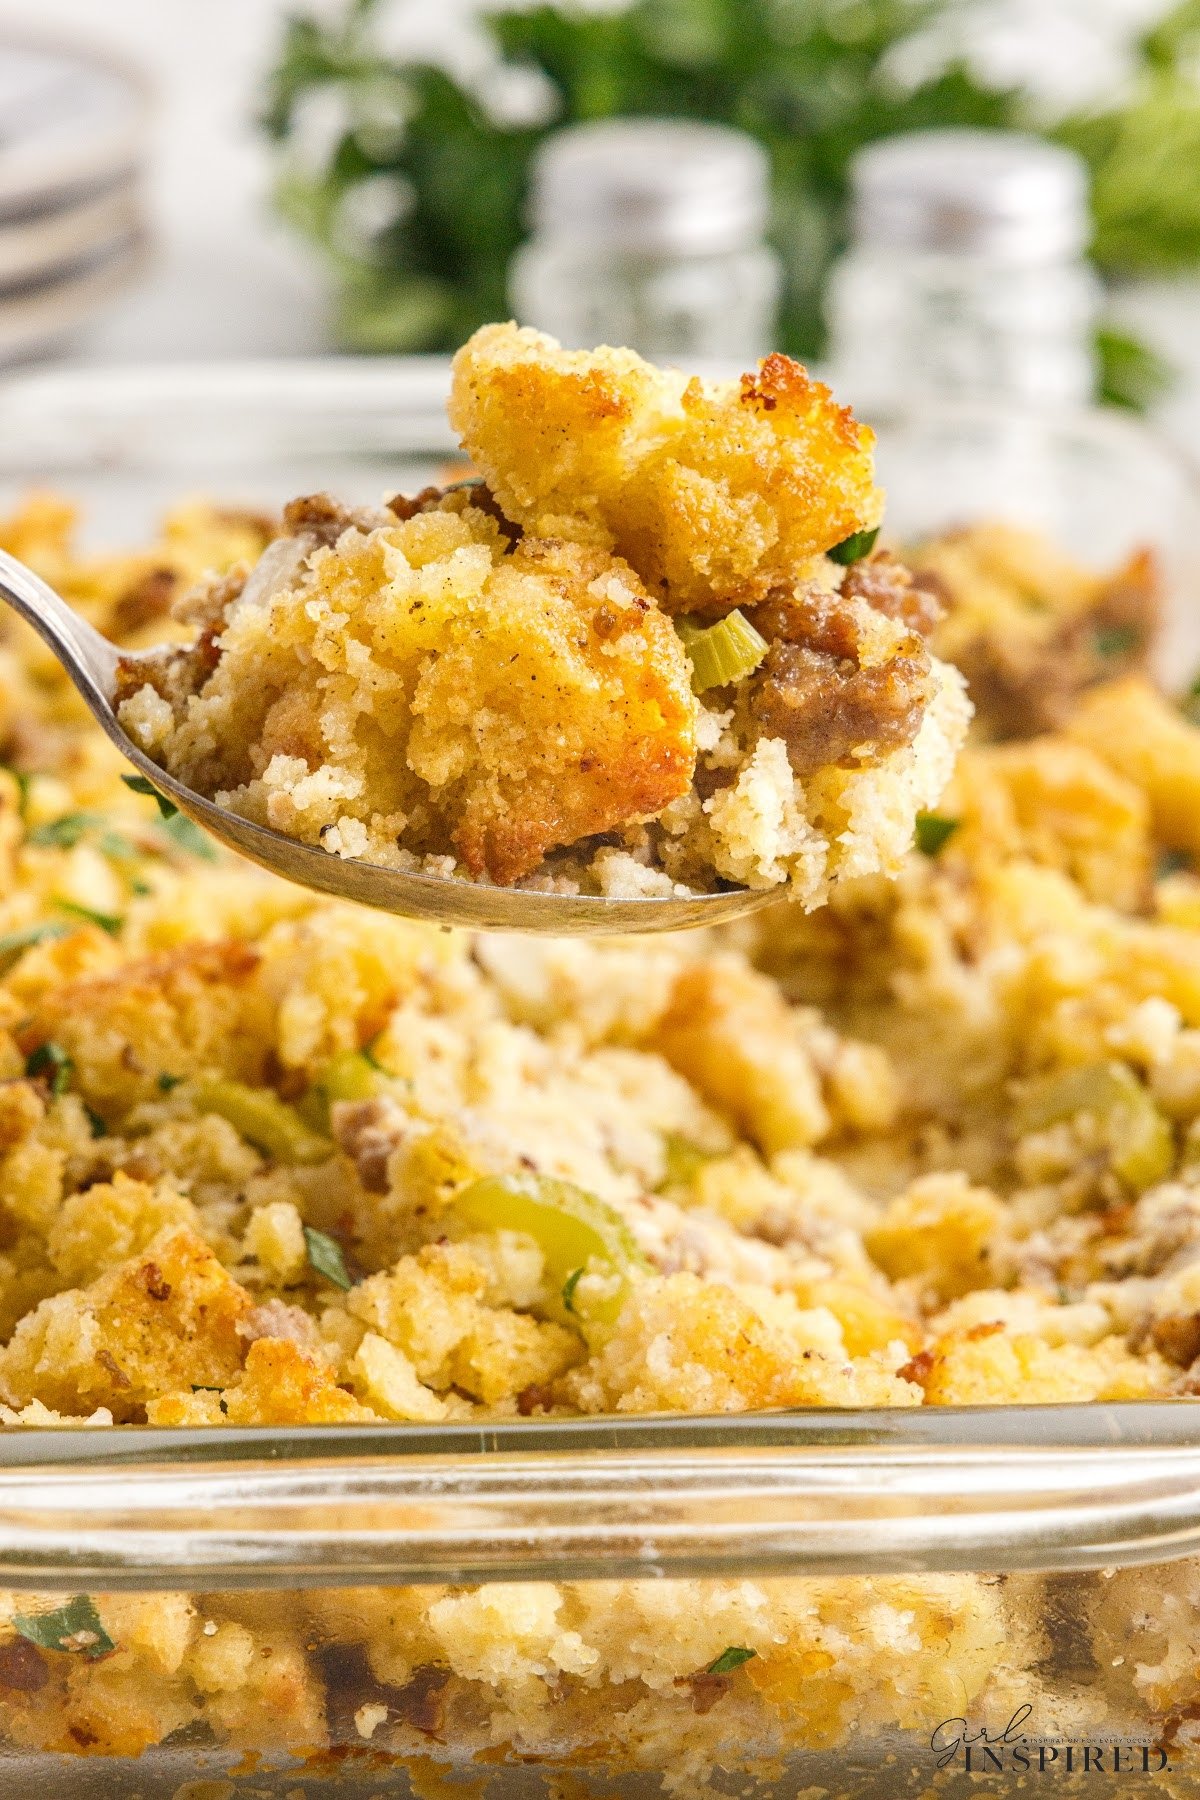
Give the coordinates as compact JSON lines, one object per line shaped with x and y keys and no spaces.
{"x":413,"y":181}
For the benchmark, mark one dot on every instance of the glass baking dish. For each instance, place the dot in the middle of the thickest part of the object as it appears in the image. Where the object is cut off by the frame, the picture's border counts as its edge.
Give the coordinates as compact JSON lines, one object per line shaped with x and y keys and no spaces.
{"x":570,"y":1608}
{"x":864,"y":1604}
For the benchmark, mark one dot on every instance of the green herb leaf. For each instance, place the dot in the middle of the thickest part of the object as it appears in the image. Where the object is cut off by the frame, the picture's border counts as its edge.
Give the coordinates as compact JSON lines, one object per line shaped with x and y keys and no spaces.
{"x":325,"y":1255}
{"x":110,"y":922}
{"x":730,"y":1659}
{"x":64,"y":833}
{"x":117,"y":847}
{"x":52,"y":1061}
{"x":683,"y":1159}
{"x":167,"y":1082}
{"x":138,"y":784}
{"x":1116,"y":640}
{"x":74,"y":1628}
{"x":1132,"y":373}
{"x":99,"y":1128}
{"x":22,"y":781}
{"x":1172,"y":862}
{"x":186,"y":835}
{"x":933,"y":831}
{"x":12,"y":943}
{"x":853,"y":548}
{"x":569,"y":1286}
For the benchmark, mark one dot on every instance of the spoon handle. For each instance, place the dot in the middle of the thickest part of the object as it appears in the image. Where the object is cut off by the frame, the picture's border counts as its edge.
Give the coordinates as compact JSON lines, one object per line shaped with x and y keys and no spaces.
{"x":89,"y":659}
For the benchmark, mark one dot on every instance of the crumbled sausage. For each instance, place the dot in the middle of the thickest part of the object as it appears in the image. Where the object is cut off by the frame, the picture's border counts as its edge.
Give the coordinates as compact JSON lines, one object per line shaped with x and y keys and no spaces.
{"x":22,"y":1667}
{"x":812,"y":691}
{"x":368,"y":1131}
{"x":156,"y":1286}
{"x":276,"y":1319}
{"x":322,"y":517}
{"x":884,"y":583}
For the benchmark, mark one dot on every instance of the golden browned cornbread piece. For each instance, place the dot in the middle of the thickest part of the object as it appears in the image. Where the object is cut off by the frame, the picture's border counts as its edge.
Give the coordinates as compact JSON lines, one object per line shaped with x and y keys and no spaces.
{"x":166,"y":1318}
{"x":176,"y":1014}
{"x":1031,"y":628}
{"x":1062,"y":804}
{"x":428,"y":683}
{"x":1137,"y":732}
{"x":714,"y":492}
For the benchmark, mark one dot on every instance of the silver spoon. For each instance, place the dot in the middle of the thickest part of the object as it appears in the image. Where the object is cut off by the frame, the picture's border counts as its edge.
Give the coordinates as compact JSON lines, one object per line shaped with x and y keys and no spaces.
{"x":92,"y":662}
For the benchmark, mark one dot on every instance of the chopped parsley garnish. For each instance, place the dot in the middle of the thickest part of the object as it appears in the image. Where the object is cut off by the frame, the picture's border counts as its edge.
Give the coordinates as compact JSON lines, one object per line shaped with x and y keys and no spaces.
{"x":1117,"y":640}
{"x":64,"y":833}
{"x":186,"y":835}
{"x":99,"y":1128}
{"x":1172,"y":862}
{"x":569,"y":1286}
{"x":13,"y":942}
{"x":22,"y":781}
{"x":326,"y":1257}
{"x":138,"y":784}
{"x":110,"y":922}
{"x":853,"y":548}
{"x":52,"y":1061}
{"x":74,"y":1628}
{"x":116,"y":846}
{"x":731,"y":1658}
{"x":933,"y":830}
{"x":683,"y":1159}
{"x":167,"y":1082}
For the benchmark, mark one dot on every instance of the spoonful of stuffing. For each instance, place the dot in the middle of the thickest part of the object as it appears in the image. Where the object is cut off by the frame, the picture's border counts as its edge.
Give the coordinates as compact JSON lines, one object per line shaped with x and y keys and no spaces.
{"x":644,"y":672}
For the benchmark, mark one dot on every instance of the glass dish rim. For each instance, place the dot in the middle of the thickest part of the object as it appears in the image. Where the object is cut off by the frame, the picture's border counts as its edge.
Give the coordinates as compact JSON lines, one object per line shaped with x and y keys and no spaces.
{"x":816,"y":1493}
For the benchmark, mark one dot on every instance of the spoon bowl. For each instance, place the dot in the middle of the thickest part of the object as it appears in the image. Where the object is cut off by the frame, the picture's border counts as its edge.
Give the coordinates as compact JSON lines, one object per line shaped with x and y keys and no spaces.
{"x":92,"y":662}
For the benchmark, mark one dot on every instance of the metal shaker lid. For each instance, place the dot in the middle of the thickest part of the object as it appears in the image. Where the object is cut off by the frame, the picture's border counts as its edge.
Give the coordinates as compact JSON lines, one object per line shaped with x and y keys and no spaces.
{"x":986,"y":193}
{"x":657,"y":186}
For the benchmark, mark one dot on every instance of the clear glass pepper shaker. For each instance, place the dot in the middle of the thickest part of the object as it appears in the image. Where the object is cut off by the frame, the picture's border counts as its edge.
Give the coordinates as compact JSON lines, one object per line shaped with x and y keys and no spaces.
{"x":649,"y":232}
{"x":966,"y":274}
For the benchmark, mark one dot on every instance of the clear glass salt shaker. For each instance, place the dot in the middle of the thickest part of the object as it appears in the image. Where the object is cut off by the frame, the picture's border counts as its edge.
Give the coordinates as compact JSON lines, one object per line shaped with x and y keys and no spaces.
{"x":966,"y":274}
{"x":649,"y":233}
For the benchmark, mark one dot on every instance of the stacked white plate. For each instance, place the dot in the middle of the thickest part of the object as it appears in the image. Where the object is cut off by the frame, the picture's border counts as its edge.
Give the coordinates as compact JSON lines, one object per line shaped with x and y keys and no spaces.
{"x":73,"y":141}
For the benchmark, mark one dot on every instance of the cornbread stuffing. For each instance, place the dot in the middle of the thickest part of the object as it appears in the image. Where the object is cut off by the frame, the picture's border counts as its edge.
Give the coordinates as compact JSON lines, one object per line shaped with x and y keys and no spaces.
{"x":266,"y":1160}
{"x":1028,"y":627}
{"x":648,"y":653}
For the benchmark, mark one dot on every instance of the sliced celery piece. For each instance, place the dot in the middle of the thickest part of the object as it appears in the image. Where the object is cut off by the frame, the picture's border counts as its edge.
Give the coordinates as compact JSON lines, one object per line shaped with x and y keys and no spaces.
{"x":1141,"y":1143}
{"x":722,"y":653}
{"x":574,"y":1230}
{"x":264,"y":1120}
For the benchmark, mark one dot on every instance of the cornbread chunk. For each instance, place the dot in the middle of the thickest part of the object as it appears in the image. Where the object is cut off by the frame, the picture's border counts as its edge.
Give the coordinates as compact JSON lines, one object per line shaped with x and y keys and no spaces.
{"x":427,"y":688}
{"x":1137,"y":732}
{"x":1060,"y":804}
{"x":715,"y":493}
{"x":1030,"y":628}
{"x":166,"y":1316}
{"x":711,"y":1347}
{"x":485,"y":681}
